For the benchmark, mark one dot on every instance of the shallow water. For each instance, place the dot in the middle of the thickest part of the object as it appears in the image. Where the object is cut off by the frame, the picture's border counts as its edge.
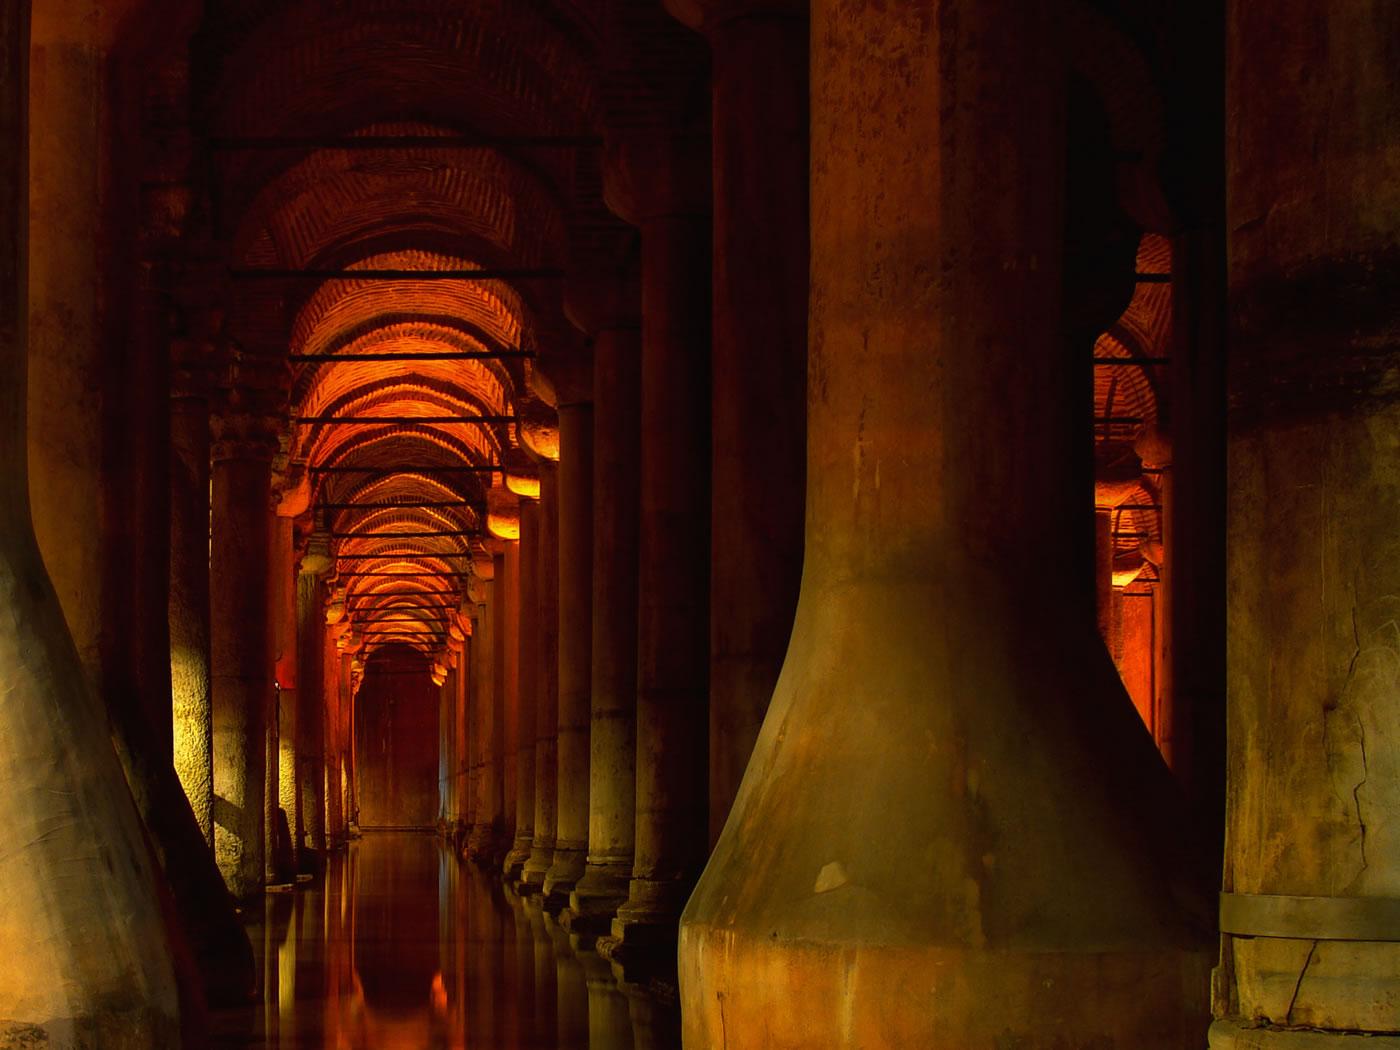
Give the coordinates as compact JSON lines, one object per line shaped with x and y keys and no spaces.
{"x":405,"y":946}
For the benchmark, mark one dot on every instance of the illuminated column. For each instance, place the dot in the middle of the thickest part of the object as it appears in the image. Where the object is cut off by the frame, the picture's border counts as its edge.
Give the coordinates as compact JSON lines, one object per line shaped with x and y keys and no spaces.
{"x":240,"y":642}
{"x":759,"y":459}
{"x":951,"y":791}
{"x":546,"y":655}
{"x":488,"y":820}
{"x":193,"y":726}
{"x":283,"y":587}
{"x":461,"y":771}
{"x":80,"y":896}
{"x":662,"y":186}
{"x":508,"y":682}
{"x":522,"y":644}
{"x":336,"y":629}
{"x":1312,"y":861}
{"x":612,"y":741}
{"x":311,"y":642}
{"x":575,"y":636}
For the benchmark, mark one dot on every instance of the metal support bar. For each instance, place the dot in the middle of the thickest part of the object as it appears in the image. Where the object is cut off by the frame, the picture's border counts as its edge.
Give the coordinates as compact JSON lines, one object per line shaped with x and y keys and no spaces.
{"x":1140,"y":361}
{"x":403,"y":420}
{"x":1120,"y":420}
{"x":402,"y":535}
{"x":401,"y":554}
{"x":362,"y":142}
{"x":405,"y":503}
{"x":262,"y":273}
{"x":484,"y":468}
{"x":444,"y":356}
{"x":1153,"y":278}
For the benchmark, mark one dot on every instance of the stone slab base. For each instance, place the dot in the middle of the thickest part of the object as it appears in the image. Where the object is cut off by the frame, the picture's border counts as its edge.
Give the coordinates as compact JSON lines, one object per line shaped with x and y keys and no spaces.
{"x":766,"y":992}
{"x":1236,"y":1035}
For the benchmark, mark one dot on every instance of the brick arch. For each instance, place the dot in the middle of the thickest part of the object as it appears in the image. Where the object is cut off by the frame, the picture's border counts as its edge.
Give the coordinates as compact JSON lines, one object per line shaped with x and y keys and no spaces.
{"x":498,"y":66}
{"x":330,"y":198}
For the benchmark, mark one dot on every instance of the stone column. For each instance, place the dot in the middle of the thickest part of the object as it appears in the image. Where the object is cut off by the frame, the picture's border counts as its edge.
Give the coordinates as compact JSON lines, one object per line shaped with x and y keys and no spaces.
{"x":523,"y":569}
{"x":951,"y":790}
{"x":462,"y":764}
{"x":661,"y":185}
{"x":188,"y":609}
{"x":311,"y":702}
{"x":69,"y":817}
{"x":759,"y":366}
{"x":240,"y":643}
{"x":575,"y":642}
{"x":334,"y":640}
{"x":1312,"y":861}
{"x":546,"y":655}
{"x":488,"y":817}
{"x":283,"y":585}
{"x":612,"y":745}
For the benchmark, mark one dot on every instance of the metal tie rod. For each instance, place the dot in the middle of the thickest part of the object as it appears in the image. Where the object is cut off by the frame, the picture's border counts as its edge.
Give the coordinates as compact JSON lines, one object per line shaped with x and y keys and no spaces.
{"x":443,"y":356}
{"x":268,"y":273}
{"x":358,"y":142}
{"x":403,"y":420}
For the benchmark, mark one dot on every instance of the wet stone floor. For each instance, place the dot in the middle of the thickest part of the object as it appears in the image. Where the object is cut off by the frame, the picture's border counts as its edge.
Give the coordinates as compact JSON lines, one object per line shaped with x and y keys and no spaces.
{"x":404,"y":947}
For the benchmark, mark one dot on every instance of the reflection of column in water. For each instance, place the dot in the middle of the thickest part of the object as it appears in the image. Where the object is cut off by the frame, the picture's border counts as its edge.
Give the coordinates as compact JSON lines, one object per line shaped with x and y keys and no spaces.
{"x":571,"y":997}
{"x":485,"y":972}
{"x":609,"y":1022}
{"x":270,"y":970}
{"x":546,"y":996}
{"x":287,"y":962}
{"x":520,"y":958}
{"x":656,"y":1025}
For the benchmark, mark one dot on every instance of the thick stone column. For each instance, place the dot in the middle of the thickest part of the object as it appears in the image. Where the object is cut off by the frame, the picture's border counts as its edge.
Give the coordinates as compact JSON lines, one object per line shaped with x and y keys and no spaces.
{"x":612,"y":741}
{"x":546,"y":654}
{"x":523,"y":568}
{"x":759,"y":362}
{"x":461,"y":790}
{"x":507,"y":679}
{"x":311,"y":641}
{"x":661,"y":185}
{"x":488,"y":817}
{"x":240,"y":643}
{"x":70,"y":820}
{"x":575,"y":644}
{"x":1312,"y":862}
{"x":192,"y":716}
{"x":334,"y":639}
{"x":951,"y":792}
{"x":283,"y":585}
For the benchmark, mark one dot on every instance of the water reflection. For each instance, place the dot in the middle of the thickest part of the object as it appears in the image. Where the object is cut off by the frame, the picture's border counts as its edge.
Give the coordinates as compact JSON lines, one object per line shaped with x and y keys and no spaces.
{"x":403,"y":947}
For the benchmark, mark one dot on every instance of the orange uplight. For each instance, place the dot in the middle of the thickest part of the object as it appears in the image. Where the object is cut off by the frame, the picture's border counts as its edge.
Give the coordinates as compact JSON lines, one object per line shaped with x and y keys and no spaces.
{"x":523,"y":486}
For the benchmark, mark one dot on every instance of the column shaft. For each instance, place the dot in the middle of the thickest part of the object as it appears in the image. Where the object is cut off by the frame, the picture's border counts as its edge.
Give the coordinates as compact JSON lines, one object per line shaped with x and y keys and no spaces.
{"x":612,"y":738}
{"x":950,"y":789}
{"x":310,"y":713}
{"x":189,"y":606}
{"x":546,"y":649}
{"x":673,"y":652}
{"x":759,"y":377}
{"x":527,"y":677}
{"x":242,"y":666}
{"x":575,"y":645}
{"x":1312,"y":861}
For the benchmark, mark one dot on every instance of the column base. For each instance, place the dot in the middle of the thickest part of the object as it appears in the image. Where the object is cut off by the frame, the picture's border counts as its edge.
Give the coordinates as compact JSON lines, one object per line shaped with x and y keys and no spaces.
{"x":514,"y":864}
{"x":536,"y":868}
{"x":563,"y":875}
{"x":594,"y":901}
{"x":1233,"y":1034}
{"x":486,"y":846}
{"x":652,"y":911}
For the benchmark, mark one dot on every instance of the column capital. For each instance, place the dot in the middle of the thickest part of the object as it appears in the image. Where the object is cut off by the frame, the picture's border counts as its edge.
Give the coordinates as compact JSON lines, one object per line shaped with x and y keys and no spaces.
{"x":652,"y":173}
{"x":243,"y":435}
{"x":316,"y":560}
{"x":603,"y":290}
